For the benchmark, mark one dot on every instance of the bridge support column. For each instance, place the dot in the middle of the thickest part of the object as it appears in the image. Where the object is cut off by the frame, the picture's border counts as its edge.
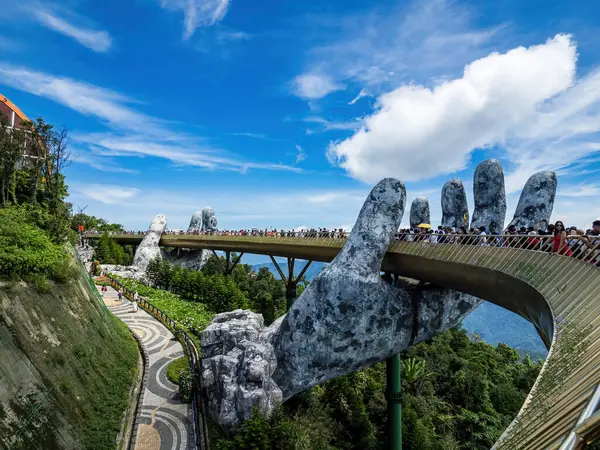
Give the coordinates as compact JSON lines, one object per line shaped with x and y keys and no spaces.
{"x":291,"y":281}
{"x":393,"y":366}
{"x":229,"y":264}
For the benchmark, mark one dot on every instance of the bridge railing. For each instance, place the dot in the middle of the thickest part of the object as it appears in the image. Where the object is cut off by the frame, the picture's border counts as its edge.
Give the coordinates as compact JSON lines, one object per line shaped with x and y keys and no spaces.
{"x":198,"y":407}
{"x":577,"y":246}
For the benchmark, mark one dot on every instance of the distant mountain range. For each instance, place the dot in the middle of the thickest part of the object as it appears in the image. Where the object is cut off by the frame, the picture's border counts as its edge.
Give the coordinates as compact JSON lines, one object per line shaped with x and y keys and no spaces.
{"x":493,"y":323}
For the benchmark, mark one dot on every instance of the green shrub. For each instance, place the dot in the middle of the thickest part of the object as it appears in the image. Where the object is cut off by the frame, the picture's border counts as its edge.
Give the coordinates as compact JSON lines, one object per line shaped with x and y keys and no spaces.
{"x":175,"y":367}
{"x":40,"y":283}
{"x":186,"y":385}
{"x":25,"y":249}
{"x":107,"y":251}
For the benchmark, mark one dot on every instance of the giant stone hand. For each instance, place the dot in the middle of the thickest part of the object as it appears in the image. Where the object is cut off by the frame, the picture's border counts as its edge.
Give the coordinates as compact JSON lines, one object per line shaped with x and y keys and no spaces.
{"x":346,"y":319}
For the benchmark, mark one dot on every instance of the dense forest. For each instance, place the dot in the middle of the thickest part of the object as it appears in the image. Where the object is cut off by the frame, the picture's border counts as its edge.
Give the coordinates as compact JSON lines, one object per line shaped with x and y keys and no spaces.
{"x":458,"y":391}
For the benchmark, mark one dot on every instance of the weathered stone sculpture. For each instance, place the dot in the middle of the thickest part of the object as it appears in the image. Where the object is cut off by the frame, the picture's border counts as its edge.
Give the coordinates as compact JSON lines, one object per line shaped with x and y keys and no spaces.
{"x":347,"y":319}
{"x":536,"y":201}
{"x":238,"y":363}
{"x":148,"y":248}
{"x":209,"y":219}
{"x":455,"y":211}
{"x":490,"y":198}
{"x":195,"y":222}
{"x":191,"y":258}
{"x":419,"y":212}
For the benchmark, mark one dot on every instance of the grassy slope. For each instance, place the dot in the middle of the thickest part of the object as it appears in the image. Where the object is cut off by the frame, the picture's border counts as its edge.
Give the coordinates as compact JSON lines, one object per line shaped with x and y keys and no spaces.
{"x":86,"y":359}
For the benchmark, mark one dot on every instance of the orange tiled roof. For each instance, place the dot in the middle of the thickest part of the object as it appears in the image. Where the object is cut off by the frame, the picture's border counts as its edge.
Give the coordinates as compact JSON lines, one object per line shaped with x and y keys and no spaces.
{"x":14,"y":107}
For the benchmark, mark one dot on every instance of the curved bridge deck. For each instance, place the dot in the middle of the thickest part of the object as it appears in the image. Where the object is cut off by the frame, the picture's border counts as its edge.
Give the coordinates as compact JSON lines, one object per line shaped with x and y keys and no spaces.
{"x":559,"y":295}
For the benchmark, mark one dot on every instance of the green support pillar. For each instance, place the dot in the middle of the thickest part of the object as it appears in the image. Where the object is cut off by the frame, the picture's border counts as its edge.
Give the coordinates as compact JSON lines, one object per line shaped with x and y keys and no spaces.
{"x":394,"y":388}
{"x":393,"y":367}
{"x":290,"y":294}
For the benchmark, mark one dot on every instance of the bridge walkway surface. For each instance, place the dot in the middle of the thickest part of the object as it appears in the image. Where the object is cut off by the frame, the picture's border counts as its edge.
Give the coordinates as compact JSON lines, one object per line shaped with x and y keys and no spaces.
{"x":166,"y":422}
{"x":560,"y":295}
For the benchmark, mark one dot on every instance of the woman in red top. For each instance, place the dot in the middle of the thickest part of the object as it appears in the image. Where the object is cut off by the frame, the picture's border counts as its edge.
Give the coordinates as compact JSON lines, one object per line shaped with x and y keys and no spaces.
{"x":559,"y":244}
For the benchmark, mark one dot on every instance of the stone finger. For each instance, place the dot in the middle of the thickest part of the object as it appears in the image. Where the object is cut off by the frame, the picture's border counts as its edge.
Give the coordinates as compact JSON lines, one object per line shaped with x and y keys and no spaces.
{"x":419,"y":212}
{"x":490,"y":197}
{"x":536,"y":201}
{"x":455,"y":211}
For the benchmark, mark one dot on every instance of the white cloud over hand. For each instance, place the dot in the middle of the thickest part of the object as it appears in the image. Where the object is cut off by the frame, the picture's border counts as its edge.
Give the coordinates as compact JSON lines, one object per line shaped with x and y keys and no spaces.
{"x":417,"y":132}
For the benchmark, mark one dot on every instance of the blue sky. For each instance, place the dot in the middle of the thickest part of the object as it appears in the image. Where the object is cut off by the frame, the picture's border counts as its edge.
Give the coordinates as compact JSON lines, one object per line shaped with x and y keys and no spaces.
{"x":285,"y":114}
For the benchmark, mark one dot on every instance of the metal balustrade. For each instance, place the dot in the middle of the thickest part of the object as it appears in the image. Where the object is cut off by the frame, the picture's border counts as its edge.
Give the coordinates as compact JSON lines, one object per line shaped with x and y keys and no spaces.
{"x":559,"y":294}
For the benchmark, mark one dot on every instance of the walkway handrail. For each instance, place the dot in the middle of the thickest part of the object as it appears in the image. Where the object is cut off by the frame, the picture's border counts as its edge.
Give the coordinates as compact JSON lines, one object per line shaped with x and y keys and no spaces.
{"x":198,"y":406}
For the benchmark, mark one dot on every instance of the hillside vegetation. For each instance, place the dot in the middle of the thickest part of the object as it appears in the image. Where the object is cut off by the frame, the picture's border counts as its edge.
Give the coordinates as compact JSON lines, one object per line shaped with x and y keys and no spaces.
{"x":67,"y":364}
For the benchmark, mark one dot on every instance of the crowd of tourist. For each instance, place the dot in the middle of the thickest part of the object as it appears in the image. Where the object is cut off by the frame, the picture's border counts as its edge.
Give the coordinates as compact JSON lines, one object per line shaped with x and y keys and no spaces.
{"x":567,"y":241}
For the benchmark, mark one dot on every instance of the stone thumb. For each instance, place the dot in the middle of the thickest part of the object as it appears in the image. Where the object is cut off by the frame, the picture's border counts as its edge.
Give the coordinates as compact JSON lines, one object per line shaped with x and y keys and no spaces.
{"x":148,"y":248}
{"x":375,"y":227}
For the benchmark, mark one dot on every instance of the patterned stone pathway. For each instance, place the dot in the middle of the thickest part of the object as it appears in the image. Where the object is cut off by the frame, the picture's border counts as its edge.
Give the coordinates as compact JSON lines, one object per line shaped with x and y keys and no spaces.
{"x":166,"y":422}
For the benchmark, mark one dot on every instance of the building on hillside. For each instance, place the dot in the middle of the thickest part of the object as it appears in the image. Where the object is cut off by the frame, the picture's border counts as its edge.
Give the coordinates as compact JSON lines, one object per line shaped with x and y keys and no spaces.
{"x":15,"y":115}
{"x":16,"y":118}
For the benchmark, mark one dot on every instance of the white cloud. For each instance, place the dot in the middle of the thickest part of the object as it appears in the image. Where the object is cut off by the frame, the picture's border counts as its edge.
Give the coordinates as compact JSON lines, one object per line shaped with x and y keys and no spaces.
{"x":327,"y":125}
{"x":252,"y":135}
{"x":99,"y":41}
{"x":361,"y":94}
{"x":87,"y":99}
{"x":106,"y":193}
{"x":102,"y":164}
{"x":418,"y":132}
{"x":312,"y":86}
{"x":190,"y":154}
{"x":132,"y":132}
{"x":198,"y":13}
{"x":380,"y":48}
{"x":581,"y":190}
{"x":301,"y":156}
{"x":233,"y":35}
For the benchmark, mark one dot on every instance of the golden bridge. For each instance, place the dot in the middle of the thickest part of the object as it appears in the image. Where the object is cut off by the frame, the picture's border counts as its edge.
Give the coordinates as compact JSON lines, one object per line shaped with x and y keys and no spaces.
{"x":559,"y":295}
